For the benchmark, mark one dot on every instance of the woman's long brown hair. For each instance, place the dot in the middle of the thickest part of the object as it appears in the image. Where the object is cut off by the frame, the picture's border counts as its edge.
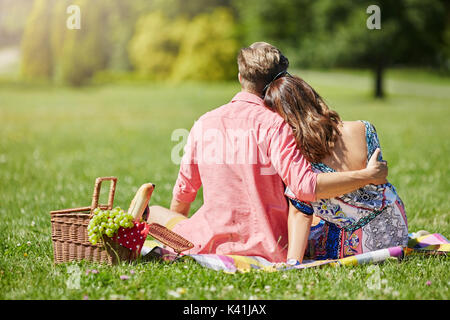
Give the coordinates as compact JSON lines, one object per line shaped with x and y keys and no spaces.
{"x":315,"y":126}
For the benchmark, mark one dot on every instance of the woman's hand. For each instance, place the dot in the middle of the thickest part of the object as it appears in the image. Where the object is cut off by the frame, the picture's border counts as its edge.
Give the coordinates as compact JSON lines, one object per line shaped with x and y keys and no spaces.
{"x":377,"y":170}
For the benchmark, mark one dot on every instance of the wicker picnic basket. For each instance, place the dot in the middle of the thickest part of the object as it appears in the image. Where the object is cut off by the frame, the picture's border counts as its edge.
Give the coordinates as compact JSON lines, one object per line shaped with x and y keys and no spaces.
{"x":70,"y":237}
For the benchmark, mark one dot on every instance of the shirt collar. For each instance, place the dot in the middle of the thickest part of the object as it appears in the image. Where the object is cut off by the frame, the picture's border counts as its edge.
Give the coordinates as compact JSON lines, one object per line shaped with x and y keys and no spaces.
{"x":248,"y":97}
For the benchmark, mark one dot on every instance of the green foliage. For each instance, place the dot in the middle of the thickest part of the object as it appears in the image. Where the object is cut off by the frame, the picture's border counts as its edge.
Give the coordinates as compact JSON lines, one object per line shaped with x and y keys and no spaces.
{"x":57,"y":36}
{"x":409,"y":34}
{"x":444,"y":54}
{"x":85,"y":50}
{"x":187,"y":9}
{"x":333,"y":33}
{"x":199,"y":39}
{"x":209,"y":48}
{"x":281,"y":22}
{"x":110,"y":39}
{"x":121,"y":21}
{"x":329,"y":33}
{"x":36,"y":50}
{"x":155,"y":44}
{"x":203,"y":48}
{"x":53,"y":52}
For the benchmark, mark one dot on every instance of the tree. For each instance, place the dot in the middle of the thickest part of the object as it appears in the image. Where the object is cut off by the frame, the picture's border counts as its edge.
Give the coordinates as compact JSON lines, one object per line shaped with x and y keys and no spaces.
{"x":85,"y":50}
{"x":283,"y":23}
{"x":155,"y":44}
{"x":121,"y":19}
{"x":209,"y":48}
{"x":187,"y":9}
{"x":57,"y":36}
{"x":201,"y":48}
{"x":36,"y":50}
{"x":328,"y":33}
{"x":410,"y":34}
{"x":51,"y":51}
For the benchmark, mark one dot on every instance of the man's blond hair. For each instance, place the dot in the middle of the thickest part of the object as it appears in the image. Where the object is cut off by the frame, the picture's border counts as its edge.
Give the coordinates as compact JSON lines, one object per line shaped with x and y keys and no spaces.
{"x":260,"y":63}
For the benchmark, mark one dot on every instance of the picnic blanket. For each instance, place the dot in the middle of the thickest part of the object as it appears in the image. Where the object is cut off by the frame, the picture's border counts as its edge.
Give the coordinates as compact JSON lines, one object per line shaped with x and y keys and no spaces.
{"x":421,"y":242}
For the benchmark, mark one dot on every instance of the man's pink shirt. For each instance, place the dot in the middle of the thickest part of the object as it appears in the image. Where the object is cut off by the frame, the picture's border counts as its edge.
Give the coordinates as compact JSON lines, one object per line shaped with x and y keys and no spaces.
{"x":244,"y":155}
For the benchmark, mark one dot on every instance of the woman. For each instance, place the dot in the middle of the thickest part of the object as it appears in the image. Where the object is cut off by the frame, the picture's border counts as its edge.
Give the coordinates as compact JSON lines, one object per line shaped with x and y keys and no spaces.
{"x":368,"y":219}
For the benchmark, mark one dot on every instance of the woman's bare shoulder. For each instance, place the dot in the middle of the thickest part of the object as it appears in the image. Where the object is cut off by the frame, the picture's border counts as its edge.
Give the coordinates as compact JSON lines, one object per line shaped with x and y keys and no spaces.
{"x":354,"y":127}
{"x":350,"y":152}
{"x":354,"y":137}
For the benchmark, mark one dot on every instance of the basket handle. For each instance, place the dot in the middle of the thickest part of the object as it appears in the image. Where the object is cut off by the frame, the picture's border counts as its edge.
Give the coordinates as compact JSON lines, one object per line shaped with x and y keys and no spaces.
{"x":97,"y":188}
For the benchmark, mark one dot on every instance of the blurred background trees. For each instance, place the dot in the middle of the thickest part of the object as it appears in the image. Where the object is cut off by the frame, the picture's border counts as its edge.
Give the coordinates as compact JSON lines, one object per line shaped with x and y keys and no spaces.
{"x":13,"y":17}
{"x":328,"y":33}
{"x":155,"y":45}
{"x":199,"y":39}
{"x":208,"y":48}
{"x":37,"y":58}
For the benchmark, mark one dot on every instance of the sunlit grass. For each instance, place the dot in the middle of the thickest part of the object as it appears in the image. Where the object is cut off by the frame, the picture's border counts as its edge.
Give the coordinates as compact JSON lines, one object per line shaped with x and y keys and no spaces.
{"x":54,"y":142}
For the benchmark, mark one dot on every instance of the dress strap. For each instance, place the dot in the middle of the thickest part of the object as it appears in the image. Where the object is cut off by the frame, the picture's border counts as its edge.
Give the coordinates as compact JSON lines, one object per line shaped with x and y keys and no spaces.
{"x":372,"y":140}
{"x":302,"y":206}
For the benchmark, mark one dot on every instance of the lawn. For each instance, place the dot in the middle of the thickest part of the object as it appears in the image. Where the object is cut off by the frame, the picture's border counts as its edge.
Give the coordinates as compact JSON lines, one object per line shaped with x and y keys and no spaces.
{"x":55,"y":141}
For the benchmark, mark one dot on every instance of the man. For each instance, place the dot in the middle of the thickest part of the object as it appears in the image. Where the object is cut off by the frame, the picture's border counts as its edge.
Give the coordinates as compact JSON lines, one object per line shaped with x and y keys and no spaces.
{"x":244,"y":155}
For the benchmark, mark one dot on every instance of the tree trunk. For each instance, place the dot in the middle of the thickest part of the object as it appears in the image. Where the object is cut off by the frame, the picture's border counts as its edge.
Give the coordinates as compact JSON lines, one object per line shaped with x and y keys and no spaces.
{"x":379,"y":73}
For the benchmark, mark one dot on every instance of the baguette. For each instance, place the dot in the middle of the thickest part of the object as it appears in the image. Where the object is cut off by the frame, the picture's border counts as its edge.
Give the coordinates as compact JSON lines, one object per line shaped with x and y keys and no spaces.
{"x":140,"y":201}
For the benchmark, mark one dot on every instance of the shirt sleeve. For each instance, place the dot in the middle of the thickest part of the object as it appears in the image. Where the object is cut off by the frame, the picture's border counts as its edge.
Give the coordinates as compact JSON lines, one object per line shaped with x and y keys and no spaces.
{"x":287,"y":160}
{"x":188,"y":182}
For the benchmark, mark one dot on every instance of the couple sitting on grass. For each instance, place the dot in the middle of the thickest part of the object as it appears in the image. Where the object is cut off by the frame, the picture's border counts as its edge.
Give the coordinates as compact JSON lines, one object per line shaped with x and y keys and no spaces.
{"x":284,"y":178}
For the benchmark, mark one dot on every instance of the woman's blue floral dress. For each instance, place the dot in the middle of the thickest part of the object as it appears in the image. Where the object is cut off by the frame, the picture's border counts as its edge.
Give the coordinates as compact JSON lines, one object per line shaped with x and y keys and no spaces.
{"x":367,"y":219}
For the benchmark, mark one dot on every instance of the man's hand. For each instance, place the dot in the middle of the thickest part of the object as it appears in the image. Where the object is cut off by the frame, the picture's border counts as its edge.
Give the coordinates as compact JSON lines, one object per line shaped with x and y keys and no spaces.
{"x":378,"y":170}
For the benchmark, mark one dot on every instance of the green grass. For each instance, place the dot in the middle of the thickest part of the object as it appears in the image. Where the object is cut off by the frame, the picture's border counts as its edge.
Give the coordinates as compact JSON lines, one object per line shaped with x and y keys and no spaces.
{"x":55,"y":141}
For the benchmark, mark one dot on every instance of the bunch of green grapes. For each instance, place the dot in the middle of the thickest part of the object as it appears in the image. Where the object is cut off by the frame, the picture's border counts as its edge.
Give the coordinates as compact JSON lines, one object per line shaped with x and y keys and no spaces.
{"x":107,"y":222}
